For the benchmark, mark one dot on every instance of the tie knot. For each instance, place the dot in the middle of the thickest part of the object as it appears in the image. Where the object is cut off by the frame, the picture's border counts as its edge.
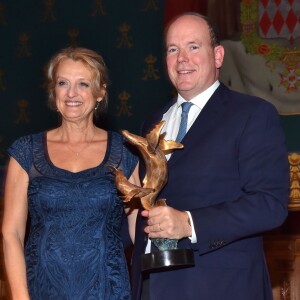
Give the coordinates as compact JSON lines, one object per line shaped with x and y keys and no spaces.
{"x":186,"y":106}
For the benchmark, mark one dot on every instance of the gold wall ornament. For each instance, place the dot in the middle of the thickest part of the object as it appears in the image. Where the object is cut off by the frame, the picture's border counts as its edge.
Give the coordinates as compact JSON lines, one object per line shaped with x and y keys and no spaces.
{"x":23,"y":48}
{"x":294,"y":160}
{"x":48,"y":14}
{"x":2,"y":15}
{"x":22,"y":115}
{"x":124,"y":41}
{"x":73,"y":36}
{"x":124,"y":109}
{"x":2,"y":85}
{"x":99,"y":9}
{"x":151,"y":72}
{"x":150,"y":5}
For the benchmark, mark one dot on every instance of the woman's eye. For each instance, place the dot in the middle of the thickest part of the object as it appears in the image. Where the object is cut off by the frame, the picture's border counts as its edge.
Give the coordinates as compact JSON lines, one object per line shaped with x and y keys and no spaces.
{"x":61,"y":83}
{"x":84,"y":84}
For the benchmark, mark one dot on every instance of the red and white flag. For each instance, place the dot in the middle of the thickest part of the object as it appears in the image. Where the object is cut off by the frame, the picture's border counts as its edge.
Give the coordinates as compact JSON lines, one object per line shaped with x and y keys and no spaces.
{"x":279,"y":19}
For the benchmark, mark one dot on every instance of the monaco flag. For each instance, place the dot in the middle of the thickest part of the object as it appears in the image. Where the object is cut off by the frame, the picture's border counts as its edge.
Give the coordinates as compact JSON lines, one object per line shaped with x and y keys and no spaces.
{"x":279,"y":19}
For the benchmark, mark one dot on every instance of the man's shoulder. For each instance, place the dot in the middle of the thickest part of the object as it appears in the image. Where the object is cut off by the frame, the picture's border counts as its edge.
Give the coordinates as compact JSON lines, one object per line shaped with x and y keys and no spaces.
{"x":243,"y":100}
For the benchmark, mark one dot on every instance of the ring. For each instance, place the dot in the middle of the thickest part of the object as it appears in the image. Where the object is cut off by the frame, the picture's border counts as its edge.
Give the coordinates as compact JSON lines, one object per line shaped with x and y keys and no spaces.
{"x":159,"y":227}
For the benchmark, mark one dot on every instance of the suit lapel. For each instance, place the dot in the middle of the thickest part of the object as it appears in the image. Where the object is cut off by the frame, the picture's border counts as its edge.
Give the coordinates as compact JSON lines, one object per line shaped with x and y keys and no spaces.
{"x":208,"y":118}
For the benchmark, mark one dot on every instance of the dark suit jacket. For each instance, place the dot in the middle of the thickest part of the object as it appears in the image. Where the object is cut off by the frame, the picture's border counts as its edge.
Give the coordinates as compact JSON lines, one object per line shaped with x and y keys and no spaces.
{"x":233,"y":176}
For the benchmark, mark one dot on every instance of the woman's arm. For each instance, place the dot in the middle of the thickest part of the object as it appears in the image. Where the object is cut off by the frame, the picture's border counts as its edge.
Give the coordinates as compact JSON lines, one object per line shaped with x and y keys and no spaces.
{"x":13,"y":229}
{"x":132,"y":209}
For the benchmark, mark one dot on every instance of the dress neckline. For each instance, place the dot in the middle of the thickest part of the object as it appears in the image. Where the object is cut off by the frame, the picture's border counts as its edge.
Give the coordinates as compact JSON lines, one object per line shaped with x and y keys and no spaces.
{"x":54,"y":167}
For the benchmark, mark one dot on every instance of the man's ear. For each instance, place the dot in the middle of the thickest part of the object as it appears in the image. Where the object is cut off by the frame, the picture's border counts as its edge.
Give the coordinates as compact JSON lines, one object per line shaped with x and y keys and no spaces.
{"x":219,"y":56}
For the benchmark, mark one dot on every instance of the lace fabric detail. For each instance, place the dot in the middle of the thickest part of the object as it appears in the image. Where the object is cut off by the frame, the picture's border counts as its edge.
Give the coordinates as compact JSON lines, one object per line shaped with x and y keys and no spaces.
{"x":74,"y":248}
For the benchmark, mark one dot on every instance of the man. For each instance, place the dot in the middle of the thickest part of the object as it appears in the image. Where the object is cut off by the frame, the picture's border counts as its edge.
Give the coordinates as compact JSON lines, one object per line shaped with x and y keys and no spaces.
{"x":227,"y":185}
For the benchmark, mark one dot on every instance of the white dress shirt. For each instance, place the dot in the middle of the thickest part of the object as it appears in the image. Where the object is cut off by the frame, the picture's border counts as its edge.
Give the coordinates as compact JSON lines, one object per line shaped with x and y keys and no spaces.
{"x":173,"y":118}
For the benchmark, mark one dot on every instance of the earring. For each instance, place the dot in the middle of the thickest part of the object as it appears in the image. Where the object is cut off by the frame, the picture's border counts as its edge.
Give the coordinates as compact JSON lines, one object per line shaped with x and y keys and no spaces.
{"x":97,"y":104}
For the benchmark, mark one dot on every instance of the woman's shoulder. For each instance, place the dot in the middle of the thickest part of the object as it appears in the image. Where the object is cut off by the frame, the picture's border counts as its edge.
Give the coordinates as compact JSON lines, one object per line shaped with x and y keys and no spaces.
{"x":115,"y":138}
{"x":114,"y":133}
{"x":22,"y":149}
{"x":27,"y":140}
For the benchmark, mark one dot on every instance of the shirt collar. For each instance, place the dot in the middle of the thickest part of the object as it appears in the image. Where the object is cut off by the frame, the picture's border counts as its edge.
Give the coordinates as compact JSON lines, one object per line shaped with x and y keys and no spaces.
{"x":201,"y":99}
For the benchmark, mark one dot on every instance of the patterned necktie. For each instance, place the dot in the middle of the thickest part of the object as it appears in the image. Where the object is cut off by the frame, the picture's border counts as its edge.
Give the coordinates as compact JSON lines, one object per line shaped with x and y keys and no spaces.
{"x":184,"y":117}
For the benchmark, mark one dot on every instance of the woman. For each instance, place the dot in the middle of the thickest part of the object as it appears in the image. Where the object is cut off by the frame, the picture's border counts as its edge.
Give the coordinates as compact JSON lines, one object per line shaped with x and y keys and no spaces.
{"x":62,"y":179}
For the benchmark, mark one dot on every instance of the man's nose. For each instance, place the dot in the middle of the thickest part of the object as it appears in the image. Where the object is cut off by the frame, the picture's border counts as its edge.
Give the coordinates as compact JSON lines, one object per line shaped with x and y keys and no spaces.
{"x":182,"y":56}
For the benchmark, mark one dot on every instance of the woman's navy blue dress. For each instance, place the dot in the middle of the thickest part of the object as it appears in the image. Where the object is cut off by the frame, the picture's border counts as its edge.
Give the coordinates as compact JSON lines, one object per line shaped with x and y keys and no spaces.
{"x":74,"y":249}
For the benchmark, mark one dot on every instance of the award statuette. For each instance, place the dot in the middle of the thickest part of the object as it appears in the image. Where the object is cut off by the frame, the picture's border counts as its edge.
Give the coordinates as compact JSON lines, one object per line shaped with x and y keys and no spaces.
{"x":153,"y":149}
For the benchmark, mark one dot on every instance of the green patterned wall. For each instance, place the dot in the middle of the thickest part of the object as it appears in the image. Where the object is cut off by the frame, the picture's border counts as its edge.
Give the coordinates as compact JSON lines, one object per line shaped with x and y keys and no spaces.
{"x":127,"y":33}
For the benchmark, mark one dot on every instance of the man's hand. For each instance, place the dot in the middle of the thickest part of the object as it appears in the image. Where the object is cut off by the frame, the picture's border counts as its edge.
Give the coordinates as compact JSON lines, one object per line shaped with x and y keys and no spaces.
{"x":167,"y":222}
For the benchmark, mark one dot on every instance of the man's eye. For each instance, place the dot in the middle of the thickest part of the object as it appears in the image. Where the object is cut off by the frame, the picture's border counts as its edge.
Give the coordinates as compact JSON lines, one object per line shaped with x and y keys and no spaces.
{"x":194,"y":47}
{"x":171,"y":50}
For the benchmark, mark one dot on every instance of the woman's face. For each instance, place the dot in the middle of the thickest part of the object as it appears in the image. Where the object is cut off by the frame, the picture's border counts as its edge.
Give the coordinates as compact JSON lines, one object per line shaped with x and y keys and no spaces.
{"x":73,"y":91}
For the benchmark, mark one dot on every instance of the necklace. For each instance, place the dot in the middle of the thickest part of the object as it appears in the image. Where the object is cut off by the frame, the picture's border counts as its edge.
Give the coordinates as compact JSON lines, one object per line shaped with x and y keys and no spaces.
{"x":77,"y":153}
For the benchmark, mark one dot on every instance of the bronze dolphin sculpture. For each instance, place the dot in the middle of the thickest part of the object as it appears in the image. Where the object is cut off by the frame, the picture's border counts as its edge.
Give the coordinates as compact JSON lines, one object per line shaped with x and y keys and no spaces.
{"x":153,"y":148}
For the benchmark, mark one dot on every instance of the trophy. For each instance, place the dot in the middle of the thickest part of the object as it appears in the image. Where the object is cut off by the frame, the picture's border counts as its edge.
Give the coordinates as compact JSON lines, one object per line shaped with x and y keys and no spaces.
{"x":153,"y":149}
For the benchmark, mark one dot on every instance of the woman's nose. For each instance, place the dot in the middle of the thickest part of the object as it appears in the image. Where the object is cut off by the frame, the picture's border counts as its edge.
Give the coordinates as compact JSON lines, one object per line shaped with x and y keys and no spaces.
{"x":72,"y":91}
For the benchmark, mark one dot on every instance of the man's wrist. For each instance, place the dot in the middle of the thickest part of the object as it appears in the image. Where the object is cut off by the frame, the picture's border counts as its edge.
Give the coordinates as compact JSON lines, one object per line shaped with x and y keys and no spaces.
{"x":188,"y":225}
{"x":192,"y":234}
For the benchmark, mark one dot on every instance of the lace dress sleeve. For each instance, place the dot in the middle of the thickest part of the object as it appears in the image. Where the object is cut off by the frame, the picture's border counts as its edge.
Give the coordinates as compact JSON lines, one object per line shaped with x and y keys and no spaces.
{"x":129,"y":159}
{"x":21,"y":151}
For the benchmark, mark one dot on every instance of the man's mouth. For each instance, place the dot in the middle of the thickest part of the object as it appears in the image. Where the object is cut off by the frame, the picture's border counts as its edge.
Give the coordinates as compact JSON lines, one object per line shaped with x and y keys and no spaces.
{"x":184,"y":72}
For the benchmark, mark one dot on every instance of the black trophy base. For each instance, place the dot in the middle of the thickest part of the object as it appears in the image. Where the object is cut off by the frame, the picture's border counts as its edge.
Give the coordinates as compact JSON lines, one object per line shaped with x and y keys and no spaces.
{"x":167,"y":259}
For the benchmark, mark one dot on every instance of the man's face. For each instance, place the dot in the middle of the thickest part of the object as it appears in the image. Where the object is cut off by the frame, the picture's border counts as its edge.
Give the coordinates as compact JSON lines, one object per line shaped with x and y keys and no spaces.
{"x":192,"y":62}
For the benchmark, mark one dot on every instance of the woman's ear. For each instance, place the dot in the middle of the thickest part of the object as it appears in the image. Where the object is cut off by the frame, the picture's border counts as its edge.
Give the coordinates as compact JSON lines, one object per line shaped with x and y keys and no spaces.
{"x":103,"y":91}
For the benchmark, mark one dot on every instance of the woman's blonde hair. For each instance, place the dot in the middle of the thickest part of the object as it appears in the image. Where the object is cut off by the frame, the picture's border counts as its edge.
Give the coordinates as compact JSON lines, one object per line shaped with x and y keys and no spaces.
{"x":91,"y":60}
